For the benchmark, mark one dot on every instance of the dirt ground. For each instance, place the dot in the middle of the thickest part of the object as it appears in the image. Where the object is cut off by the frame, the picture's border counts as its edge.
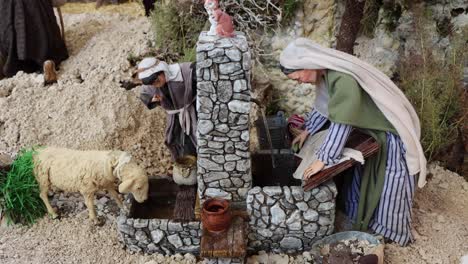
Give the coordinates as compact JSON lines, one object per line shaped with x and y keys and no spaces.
{"x":87,"y":108}
{"x":100,"y":114}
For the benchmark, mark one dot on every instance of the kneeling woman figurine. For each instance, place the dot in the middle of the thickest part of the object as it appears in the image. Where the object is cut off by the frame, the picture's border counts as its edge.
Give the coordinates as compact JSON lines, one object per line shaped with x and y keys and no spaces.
{"x":352,"y":94}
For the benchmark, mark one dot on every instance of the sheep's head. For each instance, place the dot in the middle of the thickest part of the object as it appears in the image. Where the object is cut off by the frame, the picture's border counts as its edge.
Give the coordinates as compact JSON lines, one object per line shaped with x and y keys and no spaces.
{"x":135,"y":181}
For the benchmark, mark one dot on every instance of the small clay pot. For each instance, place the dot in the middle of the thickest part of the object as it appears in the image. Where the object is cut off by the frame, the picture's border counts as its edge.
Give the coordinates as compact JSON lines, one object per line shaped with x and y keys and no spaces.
{"x":216,"y":215}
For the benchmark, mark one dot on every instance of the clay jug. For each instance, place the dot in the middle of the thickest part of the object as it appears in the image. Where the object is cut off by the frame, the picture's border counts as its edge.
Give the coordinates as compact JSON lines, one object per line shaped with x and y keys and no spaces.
{"x":216,"y":215}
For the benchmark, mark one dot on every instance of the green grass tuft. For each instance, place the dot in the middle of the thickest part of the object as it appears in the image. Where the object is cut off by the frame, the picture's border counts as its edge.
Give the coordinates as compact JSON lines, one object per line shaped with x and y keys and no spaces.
{"x":19,"y":191}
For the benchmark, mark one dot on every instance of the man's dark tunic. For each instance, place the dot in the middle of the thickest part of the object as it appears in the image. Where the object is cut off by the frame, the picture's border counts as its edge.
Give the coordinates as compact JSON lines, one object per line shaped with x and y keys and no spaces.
{"x":176,"y":95}
{"x":29,"y":35}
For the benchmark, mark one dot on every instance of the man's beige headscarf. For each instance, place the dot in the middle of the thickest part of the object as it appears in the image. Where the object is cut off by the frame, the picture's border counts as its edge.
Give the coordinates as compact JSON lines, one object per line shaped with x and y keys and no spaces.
{"x":304,"y":54}
{"x":151,"y":65}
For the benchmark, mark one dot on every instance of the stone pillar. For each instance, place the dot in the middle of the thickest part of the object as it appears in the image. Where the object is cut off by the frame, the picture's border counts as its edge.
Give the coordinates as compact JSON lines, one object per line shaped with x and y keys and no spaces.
{"x":223,"y":106}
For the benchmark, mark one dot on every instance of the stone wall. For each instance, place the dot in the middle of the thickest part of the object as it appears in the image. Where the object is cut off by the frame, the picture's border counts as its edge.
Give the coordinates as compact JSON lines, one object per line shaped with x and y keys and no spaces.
{"x":159,"y":235}
{"x":223,"y":105}
{"x":287,"y":219}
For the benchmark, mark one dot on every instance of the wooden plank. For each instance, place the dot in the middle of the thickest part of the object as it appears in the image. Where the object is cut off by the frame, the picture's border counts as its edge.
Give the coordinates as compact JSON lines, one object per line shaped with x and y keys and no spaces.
{"x":228,"y":244}
{"x":197,"y":210}
{"x":358,"y":141}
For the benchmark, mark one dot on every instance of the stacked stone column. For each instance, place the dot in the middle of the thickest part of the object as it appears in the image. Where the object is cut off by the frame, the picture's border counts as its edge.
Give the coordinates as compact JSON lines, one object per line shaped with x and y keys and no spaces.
{"x":223,"y":106}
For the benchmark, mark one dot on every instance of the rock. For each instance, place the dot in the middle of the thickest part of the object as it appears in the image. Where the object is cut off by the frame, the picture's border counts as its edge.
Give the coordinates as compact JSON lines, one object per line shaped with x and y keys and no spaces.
{"x":290,"y":242}
{"x":157,"y":235}
{"x":243,"y":165}
{"x":205,"y":47}
{"x":229,"y":68}
{"x":277,"y":215}
{"x":297,"y":193}
{"x":229,"y":166}
{"x":174,"y":227}
{"x":224,"y":91}
{"x":310,"y":228}
{"x":204,"y":105}
{"x":216,"y":145}
{"x":204,"y":64}
{"x":323,"y":195}
{"x":206,"y":86}
{"x":311,"y":215}
{"x":234,"y":133}
{"x":240,"y":85}
{"x":302,"y":206}
{"x":141,"y":237}
{"x":140,"y":223}
{"x":245,"y":136}
{"x":242,"y":192}
{"x":217,"y":52}
{"x":324,"y":221}
{"x":223,"y":128}
{"x":326,"y":206}
{"x":239,"y":106}
{"x":272,"y":190}
{"x":232,"y":157}
{"x":209,"y":165}
{"x":205,"y":126}
{"x":265,"y":232}
{"x":246,"y":61}
{"x":234,"y":54}
{"x":175,"y":240}
{"x":215,"y":192}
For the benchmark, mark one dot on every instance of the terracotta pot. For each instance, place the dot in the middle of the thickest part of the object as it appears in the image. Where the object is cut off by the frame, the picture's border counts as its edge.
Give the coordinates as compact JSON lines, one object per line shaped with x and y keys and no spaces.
{"x":216,"y":215}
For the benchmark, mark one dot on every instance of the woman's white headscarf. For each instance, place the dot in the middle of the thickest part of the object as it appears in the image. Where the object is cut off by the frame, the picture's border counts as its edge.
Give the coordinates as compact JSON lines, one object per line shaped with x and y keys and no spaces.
{"x":148,"y":66}
{"x":304,"y":54}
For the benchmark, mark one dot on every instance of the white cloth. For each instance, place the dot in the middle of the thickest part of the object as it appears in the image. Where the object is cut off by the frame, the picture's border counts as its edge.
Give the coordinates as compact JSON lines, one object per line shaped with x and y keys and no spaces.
{"x":148,"y":66}
{"x":312,"y":145}
{"x":184,"y":118}
{"x":304,"y":54}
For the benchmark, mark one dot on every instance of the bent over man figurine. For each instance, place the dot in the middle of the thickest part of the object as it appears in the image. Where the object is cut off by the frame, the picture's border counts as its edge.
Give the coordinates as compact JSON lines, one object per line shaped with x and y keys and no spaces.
{"x":173,"y":87}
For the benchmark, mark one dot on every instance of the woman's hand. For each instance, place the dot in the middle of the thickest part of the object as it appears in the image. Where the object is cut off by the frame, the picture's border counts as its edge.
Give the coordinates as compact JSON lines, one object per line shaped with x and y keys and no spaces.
{"x":315,"y":167}
{"x":301,"y":138}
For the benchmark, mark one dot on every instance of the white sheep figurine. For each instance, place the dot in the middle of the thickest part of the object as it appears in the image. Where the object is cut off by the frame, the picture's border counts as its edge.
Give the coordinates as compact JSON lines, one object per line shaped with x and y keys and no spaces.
{"x":88,"y":172}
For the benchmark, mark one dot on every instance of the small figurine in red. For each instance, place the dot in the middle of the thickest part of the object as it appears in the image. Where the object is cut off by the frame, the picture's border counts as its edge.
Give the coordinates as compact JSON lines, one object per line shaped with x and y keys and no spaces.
{"x":221,"y":22}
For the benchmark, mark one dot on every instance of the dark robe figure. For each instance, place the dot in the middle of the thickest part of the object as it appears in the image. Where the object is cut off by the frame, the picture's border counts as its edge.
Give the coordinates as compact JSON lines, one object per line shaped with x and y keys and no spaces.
{"x":176,"y":95}
{"x":29,"y":35}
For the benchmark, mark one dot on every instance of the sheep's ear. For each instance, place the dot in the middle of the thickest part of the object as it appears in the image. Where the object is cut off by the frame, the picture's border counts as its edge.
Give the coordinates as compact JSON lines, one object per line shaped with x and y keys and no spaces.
{"x":125,"y":186}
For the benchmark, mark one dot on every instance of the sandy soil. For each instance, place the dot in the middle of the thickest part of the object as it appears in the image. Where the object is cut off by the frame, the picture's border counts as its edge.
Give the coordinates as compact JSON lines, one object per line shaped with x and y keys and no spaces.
{"x":440,"y":220}
{"x":87,"y":109}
